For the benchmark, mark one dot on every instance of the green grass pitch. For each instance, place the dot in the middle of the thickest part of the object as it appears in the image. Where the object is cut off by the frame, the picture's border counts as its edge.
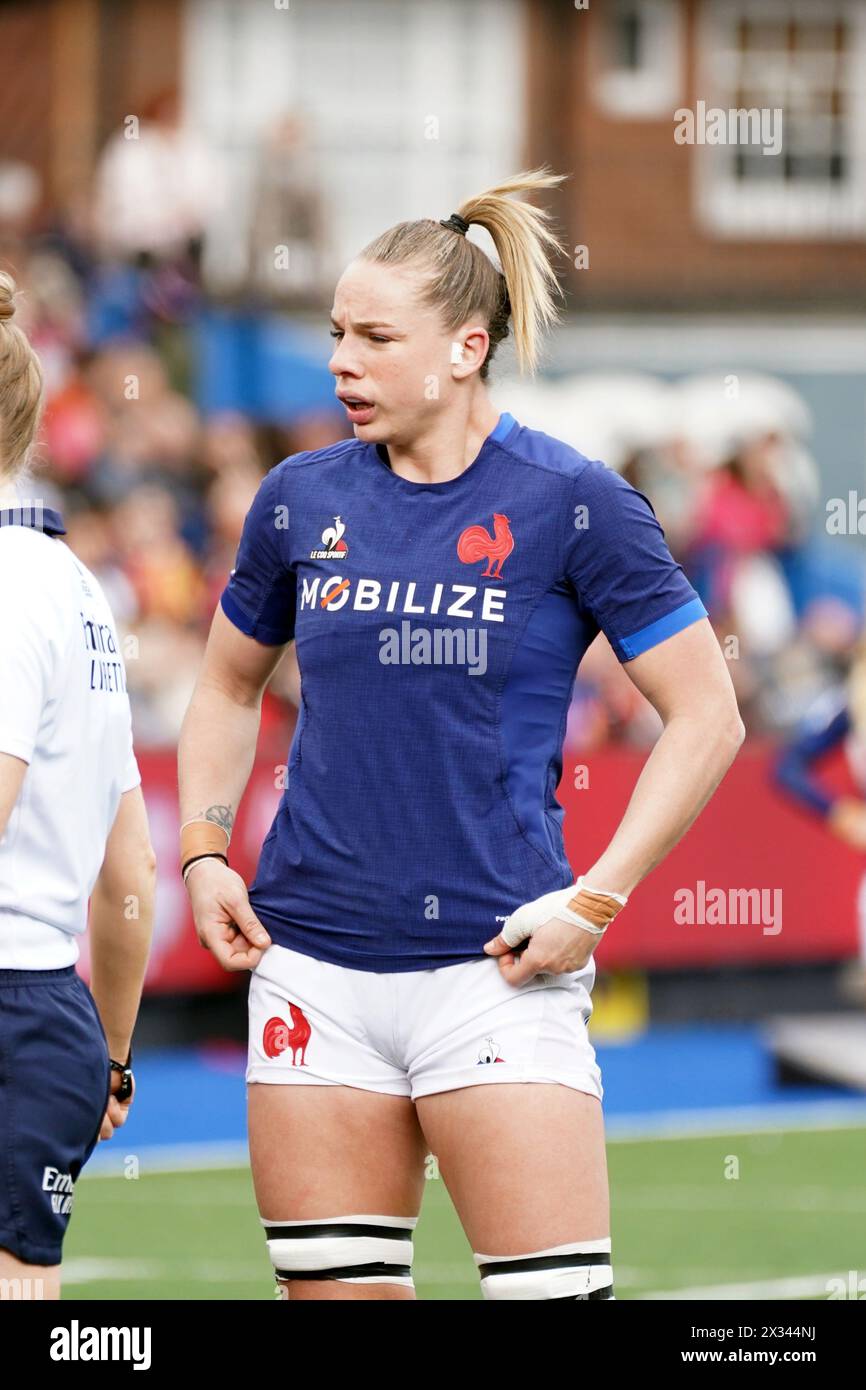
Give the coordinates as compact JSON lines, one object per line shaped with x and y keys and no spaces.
{"x":794,"y":1217}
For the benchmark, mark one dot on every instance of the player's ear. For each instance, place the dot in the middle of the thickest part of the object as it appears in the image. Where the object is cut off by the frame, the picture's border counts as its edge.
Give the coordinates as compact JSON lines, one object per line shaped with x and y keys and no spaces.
{"x":472,"y":352}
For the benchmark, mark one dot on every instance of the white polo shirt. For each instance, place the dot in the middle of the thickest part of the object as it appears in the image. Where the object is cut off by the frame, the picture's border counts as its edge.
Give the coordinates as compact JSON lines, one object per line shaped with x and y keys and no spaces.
{"x":64,"y":710}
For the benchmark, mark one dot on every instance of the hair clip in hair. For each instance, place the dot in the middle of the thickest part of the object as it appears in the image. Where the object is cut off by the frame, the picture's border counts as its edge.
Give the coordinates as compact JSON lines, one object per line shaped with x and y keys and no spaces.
{"x":455,"y":222}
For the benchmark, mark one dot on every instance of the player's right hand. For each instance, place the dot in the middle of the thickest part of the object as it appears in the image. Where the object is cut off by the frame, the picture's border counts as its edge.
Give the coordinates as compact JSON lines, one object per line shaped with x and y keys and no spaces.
{"x":224,"y":920}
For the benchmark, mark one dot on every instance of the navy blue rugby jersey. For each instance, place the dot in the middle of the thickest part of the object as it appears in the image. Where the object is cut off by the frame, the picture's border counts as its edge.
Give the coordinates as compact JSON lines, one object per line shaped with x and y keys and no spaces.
{"x":439,"y":627}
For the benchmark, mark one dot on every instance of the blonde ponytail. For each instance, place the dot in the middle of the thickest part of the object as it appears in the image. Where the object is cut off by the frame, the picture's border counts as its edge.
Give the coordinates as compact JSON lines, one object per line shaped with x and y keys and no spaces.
{"x":21,"y":388}
{"x":464,"y":282}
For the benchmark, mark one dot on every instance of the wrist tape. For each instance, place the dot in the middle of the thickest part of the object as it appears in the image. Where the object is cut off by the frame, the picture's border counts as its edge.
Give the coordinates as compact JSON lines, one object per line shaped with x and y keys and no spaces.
{"x":202,"y":837}
{"x":594,"y":908}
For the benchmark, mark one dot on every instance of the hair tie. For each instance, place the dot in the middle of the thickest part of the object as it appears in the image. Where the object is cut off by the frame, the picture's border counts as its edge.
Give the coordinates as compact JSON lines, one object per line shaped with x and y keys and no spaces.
{"x":455,"y":222}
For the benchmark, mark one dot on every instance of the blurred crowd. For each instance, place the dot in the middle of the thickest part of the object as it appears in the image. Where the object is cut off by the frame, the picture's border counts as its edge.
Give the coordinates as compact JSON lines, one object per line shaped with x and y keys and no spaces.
{"x":154,"y":491}
{"x":726,"y":464}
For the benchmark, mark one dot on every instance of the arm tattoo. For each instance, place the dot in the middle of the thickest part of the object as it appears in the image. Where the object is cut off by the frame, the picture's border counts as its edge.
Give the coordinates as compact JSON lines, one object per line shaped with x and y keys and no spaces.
{"x":220,"y":815}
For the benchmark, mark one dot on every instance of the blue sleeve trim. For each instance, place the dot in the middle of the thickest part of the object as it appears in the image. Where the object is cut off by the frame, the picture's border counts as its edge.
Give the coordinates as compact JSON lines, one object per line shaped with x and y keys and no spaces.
{"x":656,"y":632}
{"x":269,"y":636}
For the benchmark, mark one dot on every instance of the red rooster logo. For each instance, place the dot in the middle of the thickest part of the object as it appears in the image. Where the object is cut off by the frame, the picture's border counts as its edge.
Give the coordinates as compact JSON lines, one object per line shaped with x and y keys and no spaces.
{"x":476,"y":544}
{"x":278,"y":1036}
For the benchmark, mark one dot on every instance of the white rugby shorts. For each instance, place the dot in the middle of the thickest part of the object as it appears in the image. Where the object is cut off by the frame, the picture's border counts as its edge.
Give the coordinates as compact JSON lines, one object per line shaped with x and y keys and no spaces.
{"x":417,"y":1032}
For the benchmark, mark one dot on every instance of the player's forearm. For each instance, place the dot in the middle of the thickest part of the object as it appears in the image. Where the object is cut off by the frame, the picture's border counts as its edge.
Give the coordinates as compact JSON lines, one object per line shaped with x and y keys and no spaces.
{"x":216,"y":749}
{"x":121,"y":924}
{"x":683,"y":770}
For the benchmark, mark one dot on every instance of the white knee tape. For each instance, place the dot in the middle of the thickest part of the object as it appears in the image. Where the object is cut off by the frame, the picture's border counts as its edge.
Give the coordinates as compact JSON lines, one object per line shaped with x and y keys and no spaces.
{"x":353,"y":1249}
{"x":577,"y":1270}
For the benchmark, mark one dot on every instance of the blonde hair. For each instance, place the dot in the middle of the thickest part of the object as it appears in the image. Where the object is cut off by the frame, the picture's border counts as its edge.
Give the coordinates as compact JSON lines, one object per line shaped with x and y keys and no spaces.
{"x":464,"y":282}
{"x":21,"y":388}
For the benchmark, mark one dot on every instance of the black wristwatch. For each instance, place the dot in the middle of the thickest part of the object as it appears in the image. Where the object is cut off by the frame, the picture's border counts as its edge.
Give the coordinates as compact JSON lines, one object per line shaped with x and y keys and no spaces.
{"x":125,"y":1068}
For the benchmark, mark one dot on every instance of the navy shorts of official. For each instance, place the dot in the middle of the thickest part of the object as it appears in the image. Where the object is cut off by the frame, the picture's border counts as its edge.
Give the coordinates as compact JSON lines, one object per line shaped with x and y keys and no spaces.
{"x":54,"y":1086}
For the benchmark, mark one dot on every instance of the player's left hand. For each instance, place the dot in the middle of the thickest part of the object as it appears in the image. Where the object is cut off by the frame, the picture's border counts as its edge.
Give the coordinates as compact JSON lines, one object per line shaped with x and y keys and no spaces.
{"x":554,"y":948}
{"x":117,"y":1110}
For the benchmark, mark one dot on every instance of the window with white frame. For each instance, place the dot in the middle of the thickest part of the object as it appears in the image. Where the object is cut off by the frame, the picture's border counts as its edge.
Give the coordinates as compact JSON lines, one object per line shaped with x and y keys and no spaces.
{"x":800,"y":68}
{"x":640,"y":73}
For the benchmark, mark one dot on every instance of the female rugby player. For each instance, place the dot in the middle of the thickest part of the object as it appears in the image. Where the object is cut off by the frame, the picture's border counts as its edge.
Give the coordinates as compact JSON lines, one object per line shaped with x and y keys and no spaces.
{"x":421,"y":956}
{"x":72,"y":823}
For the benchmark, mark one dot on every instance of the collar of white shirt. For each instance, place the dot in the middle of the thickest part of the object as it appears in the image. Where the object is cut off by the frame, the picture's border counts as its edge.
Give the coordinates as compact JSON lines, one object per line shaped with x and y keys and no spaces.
{"x":36,"y":516}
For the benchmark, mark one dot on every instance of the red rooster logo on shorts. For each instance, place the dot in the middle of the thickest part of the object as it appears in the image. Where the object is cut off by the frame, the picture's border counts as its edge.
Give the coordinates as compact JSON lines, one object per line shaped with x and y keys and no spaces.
{"x":278,"y":1036}
{"x":476,"y":544}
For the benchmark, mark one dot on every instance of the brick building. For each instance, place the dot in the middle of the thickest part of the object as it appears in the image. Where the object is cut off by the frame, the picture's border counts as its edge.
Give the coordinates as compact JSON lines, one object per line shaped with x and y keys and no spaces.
{"x":411,"y":105}
{"x":679,"y":225}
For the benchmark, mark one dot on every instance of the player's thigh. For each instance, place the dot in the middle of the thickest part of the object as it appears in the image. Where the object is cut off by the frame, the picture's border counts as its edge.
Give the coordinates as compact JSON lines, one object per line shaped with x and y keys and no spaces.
{"x":24,"y":1281}
{"x":332,"y":1151}
{"x":524,"y":1163}
{"x":317,"y":1150}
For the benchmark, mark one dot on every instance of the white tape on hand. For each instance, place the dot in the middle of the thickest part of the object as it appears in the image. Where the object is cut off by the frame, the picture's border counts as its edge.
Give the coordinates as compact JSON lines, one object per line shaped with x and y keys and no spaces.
{"x":526,"y":920}
{"x":530,"y":916}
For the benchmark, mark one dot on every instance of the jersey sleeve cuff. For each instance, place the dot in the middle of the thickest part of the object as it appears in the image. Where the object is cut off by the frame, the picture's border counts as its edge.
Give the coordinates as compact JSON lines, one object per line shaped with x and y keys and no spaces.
{"x":270,"y":636}
{"x":16,"y":746}
{"x":662,"y":628}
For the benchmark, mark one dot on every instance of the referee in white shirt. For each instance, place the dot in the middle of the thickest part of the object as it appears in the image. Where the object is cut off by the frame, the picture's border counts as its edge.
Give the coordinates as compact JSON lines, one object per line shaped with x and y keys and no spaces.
{"x":73,"y":828}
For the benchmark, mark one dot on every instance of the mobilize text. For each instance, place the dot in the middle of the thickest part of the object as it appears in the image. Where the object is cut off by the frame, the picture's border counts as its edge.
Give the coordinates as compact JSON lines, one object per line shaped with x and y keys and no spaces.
{"x":399,"y":596}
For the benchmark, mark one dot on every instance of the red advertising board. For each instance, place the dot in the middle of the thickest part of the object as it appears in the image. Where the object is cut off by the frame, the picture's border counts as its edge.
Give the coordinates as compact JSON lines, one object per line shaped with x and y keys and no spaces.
{"x":754,"y":879}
